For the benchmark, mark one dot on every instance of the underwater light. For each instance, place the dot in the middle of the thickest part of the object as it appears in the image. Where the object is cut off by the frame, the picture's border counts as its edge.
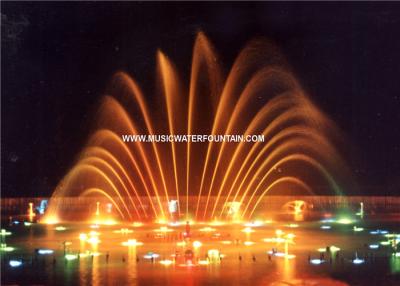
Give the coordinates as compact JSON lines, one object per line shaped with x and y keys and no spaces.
{"x":4,"y":232}
{"x":15,"y":263}
{"x":317,"y":261}
{"x":71,"y":256}
{"x":204,"y":262}
{"x":45,"y":251}
{"x":373,"y":246}
{"x":328,"y":220}
{"x":292,"y":225}
{"x":358,"y":261}
{"x":197,"y":244}
{"x":132,"y":242}
{"x":151,"y":255}
{"x":166,"y":262}
{"x":4,"y":247}
{"x":249,"y":243}
{"x":254,"y":223}
{"x":123,"y":231}
{"x":248,"y":230}
{"x":345,"y":221}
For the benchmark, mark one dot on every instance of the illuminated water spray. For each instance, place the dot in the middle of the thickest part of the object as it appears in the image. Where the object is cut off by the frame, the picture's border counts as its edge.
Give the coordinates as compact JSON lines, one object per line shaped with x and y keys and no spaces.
{"x":212,"y":180}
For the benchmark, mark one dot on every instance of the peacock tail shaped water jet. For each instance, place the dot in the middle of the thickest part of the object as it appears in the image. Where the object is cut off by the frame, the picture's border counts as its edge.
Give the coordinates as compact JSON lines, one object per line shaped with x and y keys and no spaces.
{"x":259,"y":95}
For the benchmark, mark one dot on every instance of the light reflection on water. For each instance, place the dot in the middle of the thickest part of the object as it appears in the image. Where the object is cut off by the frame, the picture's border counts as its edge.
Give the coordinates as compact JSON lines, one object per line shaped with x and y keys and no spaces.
{"x":123,"y":267}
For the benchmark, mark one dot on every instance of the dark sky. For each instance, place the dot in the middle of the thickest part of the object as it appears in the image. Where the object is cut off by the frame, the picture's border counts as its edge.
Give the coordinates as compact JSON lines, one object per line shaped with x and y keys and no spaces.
{"x":58,"y":57}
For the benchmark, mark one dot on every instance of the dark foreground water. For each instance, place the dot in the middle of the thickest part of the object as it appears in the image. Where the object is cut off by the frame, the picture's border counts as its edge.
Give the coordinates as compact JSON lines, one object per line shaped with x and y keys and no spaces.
{"x":243,"y":259}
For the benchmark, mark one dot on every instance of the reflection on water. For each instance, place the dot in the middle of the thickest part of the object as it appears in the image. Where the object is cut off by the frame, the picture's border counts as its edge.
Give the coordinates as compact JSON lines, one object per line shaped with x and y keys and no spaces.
{"x":106,"y":260}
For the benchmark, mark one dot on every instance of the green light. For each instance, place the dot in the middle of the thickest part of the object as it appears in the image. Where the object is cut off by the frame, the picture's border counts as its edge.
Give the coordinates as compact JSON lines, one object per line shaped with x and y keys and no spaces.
{"x":71,"y":256}
{"x":27,"y":223}
{"x":4,"y":232}
{"x":385,"y":242}
{"x":4,"y":247}
{"x":358,"y":229}
{"x":345,"y":220}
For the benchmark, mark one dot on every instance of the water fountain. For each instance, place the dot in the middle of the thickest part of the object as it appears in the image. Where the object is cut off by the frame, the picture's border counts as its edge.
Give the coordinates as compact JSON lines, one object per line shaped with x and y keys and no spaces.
{"x":259,"y":96}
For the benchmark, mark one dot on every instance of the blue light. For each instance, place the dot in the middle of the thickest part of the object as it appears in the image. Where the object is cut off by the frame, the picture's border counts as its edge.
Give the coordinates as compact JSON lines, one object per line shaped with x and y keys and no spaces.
{"x":374,"y":246}
{"x":358,"y":261}
{"x":15,"y":263}
{"x":317,"y":261}
{"x":45,"y":251}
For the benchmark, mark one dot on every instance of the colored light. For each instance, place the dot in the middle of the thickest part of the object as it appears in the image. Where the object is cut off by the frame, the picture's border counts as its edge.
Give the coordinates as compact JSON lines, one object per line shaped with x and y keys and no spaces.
{"x":123,"y":231}
{"x":207,"y":229}
{"x":326,"y":227}
{"x":83,"y":236}
{"x":204,"y":262}
{"x":151,"y":255}
{"x":4,"y":247}
{"x":166,"y":262}
{"x":4,"y":232}
{"x":358,"y":261}
{"x":93,"y":240}
{"x":27,"y":223}
{"x":137,"y":224}
{"x":226,"y":242}
{"x":15,"y":263}
{"x":248,"y":230}
{"x":254,"y":223}
{"x":60,"y":228}
{"x":345,"y":221}
{"x":358,"y":229}
{"x":317,"y":261}
{"x":374,"y":246}
{"x":71,"y":256}
{"x":292,"y":225}
{"x":248,"y":243}
{"x":385,"y":242}
{"x":45,"y":251}
{"x":132,"y":242}
{"x":197,"y":244}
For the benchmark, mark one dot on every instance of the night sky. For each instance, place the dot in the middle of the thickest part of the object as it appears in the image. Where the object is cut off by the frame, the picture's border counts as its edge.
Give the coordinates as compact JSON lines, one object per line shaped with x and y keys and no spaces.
{"x":57,"y":58}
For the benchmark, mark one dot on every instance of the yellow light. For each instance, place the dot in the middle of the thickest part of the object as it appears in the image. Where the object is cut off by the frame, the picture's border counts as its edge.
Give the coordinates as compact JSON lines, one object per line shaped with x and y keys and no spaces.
{"x":137,"y":224}
{"x":163,"y":229}
{"x":248,"y":243}
{"x":216,"y":223}
{"x":181,"y":243}
{"x":197,"y":244}
{"x":166,"y":262}
{"x":248,"y":230}
{"x":162,"y":221}
{"x":123,"y":231}
{"x":93,"y":240}
{"x":94,"y":233}
{"x":345,"y":221}
{"x":71,"y":256}
{"x":292,"y":225}
{"x":132,"y":242}
{"x":60,"y":228}
{"x":50,"y":220}
{"x":83,"y":236}
{"x":204,"y":262}
{"x":226,"y":242}
{"x":278,"y":232}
